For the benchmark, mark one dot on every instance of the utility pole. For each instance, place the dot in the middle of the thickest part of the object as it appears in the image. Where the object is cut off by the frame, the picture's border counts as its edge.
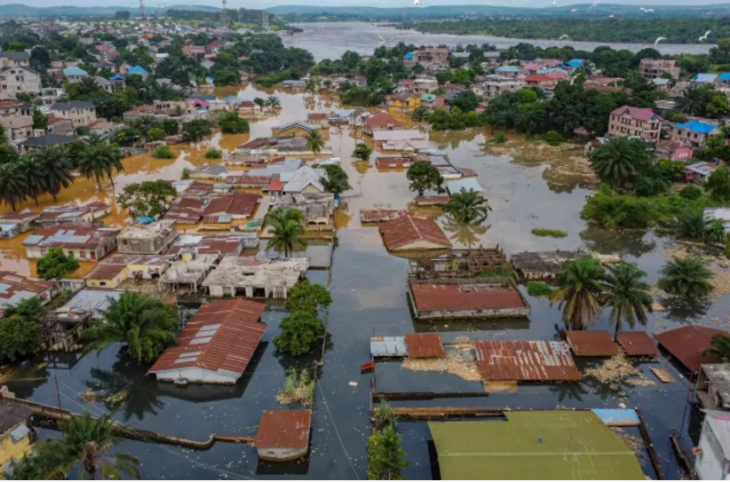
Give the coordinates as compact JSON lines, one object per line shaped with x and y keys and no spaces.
{"x":141,"y":8}
{"x":265,"y":22}
{"x":224,"y":16}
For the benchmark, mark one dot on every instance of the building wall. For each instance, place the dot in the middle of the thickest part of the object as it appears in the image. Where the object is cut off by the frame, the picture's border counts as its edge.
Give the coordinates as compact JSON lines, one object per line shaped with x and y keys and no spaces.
{"x":292,"y":132}
{"x":108,"y":283}
{"x":691,"y":138}
{"x":87,"y":254}
{"x":15,"y":80}
{"x":79,"y":117}
{"x":627,"y":126}
{"x":196,"y":375}
{"x":281,"y":454}
{"x":10,"y":450}
{"x":711,"y":462}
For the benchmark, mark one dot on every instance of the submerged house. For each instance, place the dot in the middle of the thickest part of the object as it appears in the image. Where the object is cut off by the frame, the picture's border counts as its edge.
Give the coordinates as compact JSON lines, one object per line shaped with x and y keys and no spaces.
{"x":543,"y":264}
{"x":13,"y":224}
{"x":318,"y":208}
{"x":215,"y":346}
{"x":688,"y":343}
{"x":16,"y":434}
{"x":86,"y":244}
{"x":255,"y":277}
{"x":713,"y":386}
{"x":15,"y":288}
{"x":412,"y":233}
{"x":151,"y":238}
{"x":114,"y":270}
{"x":283,"y":435}
{"x":73,"y":214}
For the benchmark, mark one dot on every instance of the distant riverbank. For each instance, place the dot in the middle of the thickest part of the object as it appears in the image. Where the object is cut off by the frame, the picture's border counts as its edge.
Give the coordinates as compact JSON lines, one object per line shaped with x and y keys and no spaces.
{"x":329,"y":40}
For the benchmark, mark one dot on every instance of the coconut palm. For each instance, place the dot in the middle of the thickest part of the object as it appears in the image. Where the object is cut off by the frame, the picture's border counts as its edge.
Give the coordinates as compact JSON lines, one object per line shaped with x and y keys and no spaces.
{"x":35,"y":178}
{"x":578,"y":292}
{"x":273,"y":102}
{"x":100,"y":161}
{"x":56,"y":165}
{"x":720,"y":348}
{"x":627,"y":295}
{"x":619,"y":160}
{"x":688,"y":277}
{"x":693,"y":99}
{"x":690,"y":223}
{"x":287,"y":228}
{"x":419,"y":114}
{"x":467,"y":207}
{"x":314,"y":141}
{"x":13,"y":185}
{"x":146,"y":325}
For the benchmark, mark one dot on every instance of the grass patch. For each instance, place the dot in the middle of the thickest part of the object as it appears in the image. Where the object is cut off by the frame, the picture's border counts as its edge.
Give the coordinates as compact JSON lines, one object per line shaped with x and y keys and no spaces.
{"x":385,"y":416}
{"x":298,"y":389}
{"x":538,"y":288}
{"x":549,"y":233}
{"x":499,"y":273}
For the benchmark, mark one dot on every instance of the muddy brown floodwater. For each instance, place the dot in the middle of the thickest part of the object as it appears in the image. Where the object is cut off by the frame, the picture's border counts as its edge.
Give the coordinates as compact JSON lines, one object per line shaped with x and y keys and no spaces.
{"x":528,"y":185}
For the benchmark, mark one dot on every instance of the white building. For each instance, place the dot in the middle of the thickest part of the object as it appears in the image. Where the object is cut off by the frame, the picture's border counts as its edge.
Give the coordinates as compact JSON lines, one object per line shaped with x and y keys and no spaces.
{"x":713,"y":452}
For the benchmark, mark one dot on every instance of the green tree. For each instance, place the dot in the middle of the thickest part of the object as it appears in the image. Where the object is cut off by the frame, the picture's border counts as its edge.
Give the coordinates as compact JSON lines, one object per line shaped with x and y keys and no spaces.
{"x":171,"y":127}
{"x":163,"y":152}
{"x":196,"y":130}
{"x":694,"y":99}
{"x":467,"y":207}
{"x":424,"y":176}
{"x":8,"y":153}
{"x":314,"y":141}
{"x":148,"y":198}
{"x":579,"y":291}
{"x":386,"y":457}
{"x":155,"y":134}
{"x":100,"y":160}
{"x":335,"y":180}
{"x":554,"y":138}
{"x":13,"y":184}
{"x":691,"y":192}
{"x":287,"y":230}
{"x":30,"y":309}
{"x":720,"y":348}
{"x":55,"y":264}
{"x":688,"y":277}
{"x":19,"y":336}
{"x":231,"y":123}
{"x":273,"y":102}
{"x":419,"y":114}
{"x":690,"y":223}
{"x":299,"y":332}
{"x":145,"y":325}
{"x":718,"y":183}
{"x":40,"y":121}
{"x":56,"y":164}
{"x":627,"y":295}
{"x":620,"y":160}
{"x":308,"y":296}
{"x":362,"y":152}
{"x":212,"y":154}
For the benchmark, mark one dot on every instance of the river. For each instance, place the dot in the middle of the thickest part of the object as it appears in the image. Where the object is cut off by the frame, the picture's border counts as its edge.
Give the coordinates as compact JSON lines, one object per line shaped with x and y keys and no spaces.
{"x":329,"y":40}
{"x":528,"y":185}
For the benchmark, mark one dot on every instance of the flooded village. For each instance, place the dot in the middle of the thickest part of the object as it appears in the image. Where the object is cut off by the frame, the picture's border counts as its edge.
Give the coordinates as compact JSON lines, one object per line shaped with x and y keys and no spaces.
{"x":434,"y":327}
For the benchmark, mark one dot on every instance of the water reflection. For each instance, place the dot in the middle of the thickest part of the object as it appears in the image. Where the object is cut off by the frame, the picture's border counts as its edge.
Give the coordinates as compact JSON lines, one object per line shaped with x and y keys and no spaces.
{"x":465,"y":234}
{"x":632,"y":243}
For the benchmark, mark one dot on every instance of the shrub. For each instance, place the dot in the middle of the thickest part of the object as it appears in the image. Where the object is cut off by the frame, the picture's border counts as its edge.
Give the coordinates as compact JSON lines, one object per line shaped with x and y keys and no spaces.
{"x":691,"y":192}
{"x":549,"y":233}
{"x":499,"y":139}
{"x":163,"y":152}
{"x":539,"y":288}
{"x":553,"y":138}
{"x":185,"y":174}
{"x":497,"y":273}
{"x":298,"y":389}
{"x":56,"y":265}
{"x":214,"y":154}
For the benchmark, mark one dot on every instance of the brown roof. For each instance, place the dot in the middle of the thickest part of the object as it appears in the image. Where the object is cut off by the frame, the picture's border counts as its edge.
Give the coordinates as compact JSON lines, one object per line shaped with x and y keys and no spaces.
{"x":105,"y":271}
{"x":234,"y":332}
{"x":433,"y":297}
{"x":382,"y":119}
{"x":400,"y":233}
{"x":73,"y":237}
{"x":526,"y":360}
{"x":284,"y":429}
{"x":432,"y":200}
{"x":392,"y":161}
{"x":687,"y":343}
{"x":222,"y":244}
{"x":246,"y":179}
{"x":12,"y":283}
{"x":11,"y":414}
{"x":425,"y":345}
{"x":186,"y":210}
{"x":317,"y":116}
{"x":258,"y":142}
{"x":239,"y":204}
{"x":380,"y":215}
{"x":591,"y":343}
{"x":637,"y":343}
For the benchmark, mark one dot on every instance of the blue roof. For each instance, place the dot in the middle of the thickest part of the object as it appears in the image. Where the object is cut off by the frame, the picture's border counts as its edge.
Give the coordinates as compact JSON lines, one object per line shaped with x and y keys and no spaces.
{"x":550,"y":71}
{"x":705,"y":78}
{"x":617,"y":417}
{"x":725,"y":76}
{"x":410,"y":56}
{"x":137,"y":69}
{"x":575,"y":63}
{"x":428,"y":97}
{"x":74,"y":71}
{"x":144,"y":219}
{"x":209,"y":80}
{"x":117,"y":77}
{"x":697,"y":126}
{"x":230,"y":98}
{"x":507,"y":68}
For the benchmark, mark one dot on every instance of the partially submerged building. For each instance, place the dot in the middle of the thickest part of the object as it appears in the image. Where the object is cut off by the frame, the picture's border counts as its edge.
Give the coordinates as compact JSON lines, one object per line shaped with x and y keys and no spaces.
{"x":189,"y":271}
{"x":591,"y":343}
{"x":255,"y":277}
{"x":459,"y":263}
{"x":186,"y":210}
{"x":543,"y":264}
{"x":13,"y":224}
{"x":237,"y":206}
{"x":713,"y":386}
{"x":214,"y":244}
{"x":412,"y":233}
{"x":533,"y":361}
{"x":688,"y":343}
{"x":116,"y":269}
{"x":16,"y":434}
{"x":85,"y":243}
{"x":72,"y":214}
{"x":318,"y":209}
{"x":712,"y":459}
{"x":466,"y":298}
{"x":283,"y":435}
{"x":15,"y":288}
{"x":215,"y":346}
{"x":153,"y":238}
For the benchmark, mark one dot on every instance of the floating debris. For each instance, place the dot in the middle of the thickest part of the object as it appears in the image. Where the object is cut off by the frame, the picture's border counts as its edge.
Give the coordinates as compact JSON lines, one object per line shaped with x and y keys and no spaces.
{"x":460,"y":361}
{"x":618,"y":369}
{"x":633,"y":442}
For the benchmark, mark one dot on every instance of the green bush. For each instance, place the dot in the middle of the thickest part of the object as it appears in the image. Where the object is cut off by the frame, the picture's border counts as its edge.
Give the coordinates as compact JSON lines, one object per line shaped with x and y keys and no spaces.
{"x":499,"y":139}
{"x":214,"y":154}
{"x":163,"y":152}
{"x":538,"y":288}
{"x":497,"y":273}
{"x":553,"y":138}
{"x":549,"y":233}
{"x":691,"y":192}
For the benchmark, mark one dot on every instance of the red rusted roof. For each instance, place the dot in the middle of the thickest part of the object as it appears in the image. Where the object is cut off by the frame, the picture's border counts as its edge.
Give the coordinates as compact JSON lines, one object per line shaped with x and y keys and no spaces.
{"x":425,"y":345}
{"x":404,"y":232}
{"x":433,"y":200}
{"x":392,"y":161}
{"x":526,"y":360}
{"x":224,"y":334}
{"x":380,"y":215}
{"x":105,"y":271}
{"x":382,"y":119}
{"x":276,"y":186}
{"x":223,"y":244}
{"x":637,"y":343}
{"x":11,"y":283}
{"x":284,"y":429}
{"x":70,"y":237}
{"x":687,"y":343}
{"x":186,"y":210}
{"x":591,"y":343}
{"x":433,"y":297}
{"x":239,"y":204}
{"x":248,"y":180}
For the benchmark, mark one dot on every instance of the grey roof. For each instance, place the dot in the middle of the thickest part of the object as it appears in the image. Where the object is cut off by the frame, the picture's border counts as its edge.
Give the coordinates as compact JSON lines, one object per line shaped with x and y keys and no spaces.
{"x":11,"y":414}
{"x":72,"y":105}
{"x":387,"y":346}
{"x":15,"y":55}
{"x":303,"y":177}
{"x":95,"y":301}
{"x":290,"y":164}
{"x":214,"y":169}
{"x":468,"y":184}
{"x":47,"y":140}
{"x":207,"y":97}
{"x":27,"y":69}
{"x":101,"y":81}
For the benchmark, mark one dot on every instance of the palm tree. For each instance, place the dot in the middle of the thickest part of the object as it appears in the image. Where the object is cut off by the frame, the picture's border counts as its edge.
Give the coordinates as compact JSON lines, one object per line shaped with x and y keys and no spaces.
{"x":420,"y":114}
{"x":619,"y":160}
{"x":13,"y":185}
{"x":311,"y":86}
{"x":35,"y":178}
{"x":693,"y":99}
{"x":145,"y":324}
{"x":100,"y":161}
{"x":688,"y":277}
{"x":467,"y":207}
{"x":720,"y":348}
{"x":314,"y":141}
{"x":287,"y":230}
{"x":31,"y":309}
{"x":690,"y":223}
{"x":627,"y":295}
{"x":56,"y":165}
{"x":273,"y":102}
{"x":578,"y":292}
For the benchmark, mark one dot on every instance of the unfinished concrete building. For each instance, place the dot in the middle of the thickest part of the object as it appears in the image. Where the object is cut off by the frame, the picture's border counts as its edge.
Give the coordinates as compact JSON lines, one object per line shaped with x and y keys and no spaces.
{"x":189,"y":272}
{"x":459,"y":263}
{"x":151,"y":238}
{"x":63,"y":328}
{"x":543,"y":264}
{"x":713,"y":386}
{"x":318,"y":209}
{"x":255,"y":277}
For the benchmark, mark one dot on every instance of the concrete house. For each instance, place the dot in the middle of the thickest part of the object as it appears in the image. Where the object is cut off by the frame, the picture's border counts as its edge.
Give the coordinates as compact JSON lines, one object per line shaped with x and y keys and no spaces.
{"x":15,"y":80}
{"x":255,"y":277}
{"x":15,"y":288}
{"x":655,"y":68}
{"x":75,"y":74}
{"x":14,"y":59}
{"x":633,"y":121}
{"x":381,"y":122}
{"x":283,"y":435}
{"x":115,"y":269}
{"x":16,"y":434}
{"x":713,"y":386}
{"x":402,"y":104}
{"x":86,"y":244}
{"x":18,"y":127}
{"x":412,"y":233}
{"x":152,"y":238}
{"x":496,"y":85}
{"x":294,"y":129}
{"x":12,"y":224}
{"x":694,"y":133}
{"x":79,"y":112}
{"x":712,"y":460}
{"x":216,"y":345}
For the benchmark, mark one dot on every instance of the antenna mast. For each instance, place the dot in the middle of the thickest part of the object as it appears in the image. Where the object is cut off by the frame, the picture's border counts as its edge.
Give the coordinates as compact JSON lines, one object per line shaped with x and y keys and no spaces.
{"x":141,"y":8}
{"x":224,"y":16}
{"x":265,"y":22}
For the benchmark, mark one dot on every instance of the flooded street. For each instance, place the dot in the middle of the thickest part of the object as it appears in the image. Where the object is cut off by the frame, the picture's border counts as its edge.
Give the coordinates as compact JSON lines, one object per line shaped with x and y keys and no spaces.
{"x":528,"y":186}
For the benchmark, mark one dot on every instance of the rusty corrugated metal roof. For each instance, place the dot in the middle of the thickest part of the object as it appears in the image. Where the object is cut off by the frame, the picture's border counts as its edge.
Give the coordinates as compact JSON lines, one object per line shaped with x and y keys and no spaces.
{"x":592,"y":343}
{"x":403,"y":232}
{"x":526,"y":361}
{"x":637,"y":343}
{"x":687,"y":343}
{"x":425,"y":345}
{"x":478,"y":295}
{"x":284,"y":429}
{"x":388,"y":346}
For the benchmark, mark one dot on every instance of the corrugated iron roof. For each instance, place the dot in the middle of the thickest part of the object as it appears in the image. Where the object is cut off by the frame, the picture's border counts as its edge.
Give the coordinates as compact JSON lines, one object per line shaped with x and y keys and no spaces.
{"x":526,"y":360}
{"x":637,"y":343}
{"x":591,"y":343}
{"x":475,"y":296}
{"x":70,"y":237}
{"x":425,"y":345}
{"x":284,"y":429}
{"x":381,"y":215}
{"x":387,"y":346}
{"x":687,"y":343}
{"x":403,"y":232}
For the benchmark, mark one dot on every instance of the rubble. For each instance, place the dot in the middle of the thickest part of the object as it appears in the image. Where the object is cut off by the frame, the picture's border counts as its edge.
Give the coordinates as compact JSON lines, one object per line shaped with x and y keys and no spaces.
{"x":460,"y":361}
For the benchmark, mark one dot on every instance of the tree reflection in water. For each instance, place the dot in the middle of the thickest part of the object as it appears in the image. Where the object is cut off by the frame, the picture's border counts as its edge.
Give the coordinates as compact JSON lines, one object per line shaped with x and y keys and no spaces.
{"x":465,"y":234}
